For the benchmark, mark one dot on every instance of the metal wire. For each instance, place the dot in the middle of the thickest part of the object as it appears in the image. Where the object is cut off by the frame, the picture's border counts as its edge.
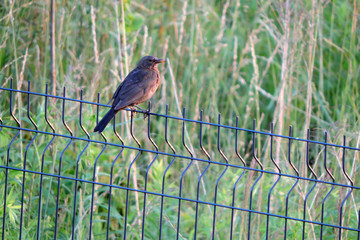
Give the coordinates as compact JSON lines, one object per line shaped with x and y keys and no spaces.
{"x":224,"y":215}
{"x":276,"y":182}
{"x":77,"y":171}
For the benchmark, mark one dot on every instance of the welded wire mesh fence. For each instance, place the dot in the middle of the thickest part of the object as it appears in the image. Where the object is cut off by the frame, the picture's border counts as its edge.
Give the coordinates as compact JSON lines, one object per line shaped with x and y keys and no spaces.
{"x":166,"y":176}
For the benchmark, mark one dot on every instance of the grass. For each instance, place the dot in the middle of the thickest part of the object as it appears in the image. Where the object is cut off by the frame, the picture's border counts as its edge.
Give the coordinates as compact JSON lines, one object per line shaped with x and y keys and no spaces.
{"x":291,"y":63}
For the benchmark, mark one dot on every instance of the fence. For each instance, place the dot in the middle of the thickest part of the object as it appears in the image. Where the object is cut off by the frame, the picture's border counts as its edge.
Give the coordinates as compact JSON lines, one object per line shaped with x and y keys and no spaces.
{"x":170,"y":178}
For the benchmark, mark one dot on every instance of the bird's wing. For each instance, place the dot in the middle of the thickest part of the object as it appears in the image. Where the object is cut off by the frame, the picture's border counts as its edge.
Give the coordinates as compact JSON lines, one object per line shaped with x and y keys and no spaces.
{"x":116,"y":92}
{"x":132,"y":89}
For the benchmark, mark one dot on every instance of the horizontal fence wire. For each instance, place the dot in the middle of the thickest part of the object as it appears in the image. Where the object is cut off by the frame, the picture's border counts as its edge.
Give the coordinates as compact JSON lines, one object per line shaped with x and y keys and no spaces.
{"x":166,"y":176}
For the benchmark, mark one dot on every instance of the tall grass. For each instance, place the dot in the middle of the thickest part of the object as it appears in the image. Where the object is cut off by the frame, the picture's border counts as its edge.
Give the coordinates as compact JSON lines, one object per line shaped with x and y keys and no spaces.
{"x":287,"y":62}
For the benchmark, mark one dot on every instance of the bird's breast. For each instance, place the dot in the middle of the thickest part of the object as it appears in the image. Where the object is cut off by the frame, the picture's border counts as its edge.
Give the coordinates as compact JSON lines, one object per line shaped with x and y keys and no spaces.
{"x":152,"y":87}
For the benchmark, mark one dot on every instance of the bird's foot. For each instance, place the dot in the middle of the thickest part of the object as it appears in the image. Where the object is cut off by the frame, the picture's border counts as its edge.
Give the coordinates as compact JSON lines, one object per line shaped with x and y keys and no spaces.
{"x":145,"y":112}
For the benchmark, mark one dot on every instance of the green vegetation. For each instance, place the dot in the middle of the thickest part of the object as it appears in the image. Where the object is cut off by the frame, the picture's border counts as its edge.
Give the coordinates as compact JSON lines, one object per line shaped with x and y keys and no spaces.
{"x":291,"y":63}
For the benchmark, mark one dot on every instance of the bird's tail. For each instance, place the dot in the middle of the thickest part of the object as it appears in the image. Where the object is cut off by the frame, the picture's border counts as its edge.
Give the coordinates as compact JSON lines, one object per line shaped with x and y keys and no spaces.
{"x":105,"y":120}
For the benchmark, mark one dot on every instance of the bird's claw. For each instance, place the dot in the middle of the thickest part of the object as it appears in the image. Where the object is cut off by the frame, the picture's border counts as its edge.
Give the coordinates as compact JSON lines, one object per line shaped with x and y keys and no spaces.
{"x":146,"y":113}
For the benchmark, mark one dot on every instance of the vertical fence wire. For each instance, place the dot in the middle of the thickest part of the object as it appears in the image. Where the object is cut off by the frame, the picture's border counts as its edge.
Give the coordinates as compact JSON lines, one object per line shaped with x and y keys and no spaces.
{"x":349,"y":190}
{"x":60,"y":161}
{"x":94,"y":172}
{"x":296,"y":182}
{"x":77,"y":167}
{"x":129,"y":171}
{"x":312,"y":188}
{"x":25,"y":157}
{"x":111,"y":177}
{"x":8,"y":158}
{"x":218,"y":180}
{"x":38,"y":233}
{"x":182,"y":175}
{"x":166,"y":170}
{"x":332,"y":187}
{"x":275,"y":183}
{"x":147,"y":173}
{"x":237,"y":180}
{"x":257,"y":179}
{"x":202,"y":173}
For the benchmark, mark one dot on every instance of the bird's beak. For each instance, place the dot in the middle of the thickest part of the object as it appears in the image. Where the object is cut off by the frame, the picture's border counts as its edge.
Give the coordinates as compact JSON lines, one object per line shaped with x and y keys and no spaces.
{"x":160,"y":60}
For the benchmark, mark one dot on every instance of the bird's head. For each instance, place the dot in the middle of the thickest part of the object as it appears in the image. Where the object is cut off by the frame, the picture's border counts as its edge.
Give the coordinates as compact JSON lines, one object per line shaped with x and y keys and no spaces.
{"x":149,"y":62}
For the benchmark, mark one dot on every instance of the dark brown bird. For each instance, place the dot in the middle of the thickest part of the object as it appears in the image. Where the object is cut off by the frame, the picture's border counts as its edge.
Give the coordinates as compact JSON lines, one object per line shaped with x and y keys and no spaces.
{"x":137,"y":87}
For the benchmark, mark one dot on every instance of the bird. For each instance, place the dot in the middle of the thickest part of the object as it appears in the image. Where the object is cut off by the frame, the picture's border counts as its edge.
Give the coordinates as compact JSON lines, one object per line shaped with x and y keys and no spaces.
{"x":138,"y":86}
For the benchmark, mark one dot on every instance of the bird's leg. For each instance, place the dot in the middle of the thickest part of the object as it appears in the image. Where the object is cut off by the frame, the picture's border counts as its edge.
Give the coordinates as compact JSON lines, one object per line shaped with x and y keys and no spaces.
{"x":132,"y":110}
{"x":145,"y":112}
